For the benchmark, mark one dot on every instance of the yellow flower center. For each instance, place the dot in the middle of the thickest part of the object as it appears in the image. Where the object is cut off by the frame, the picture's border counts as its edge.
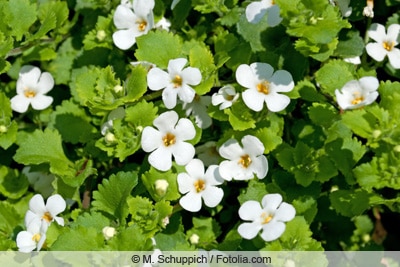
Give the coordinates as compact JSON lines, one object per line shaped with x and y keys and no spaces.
{"x":142,"y":25}
{"x":29,"y":93}
{"x":47,"y":217}
{"x":36,"y":237}
{"x":388,"y":45}
{"x":199,"y":185}
{"x":169,"y":139}
{"x":263,"y":87}
{"x":358,"y":98}
{"x":266,"y":218}
{"x":177,"y":81}
{"x":245,"y":161}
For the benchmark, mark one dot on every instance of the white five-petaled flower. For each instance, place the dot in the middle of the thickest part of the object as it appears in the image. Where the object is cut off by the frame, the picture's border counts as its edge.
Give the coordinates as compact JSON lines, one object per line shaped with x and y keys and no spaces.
{"x":32,"y":238}
{"x":225,"y":97}
{"x":269,"y":218}
{"x":355,"y":94}
{"x":244,"y":162}
{"x":385,"y":43}
{"x":198,"y":185}
{"x":264,"y":85}
{"x":176,"y":82}
{"x":132,"y":23}
{"x":198,"y":108}
{"x":40,"y":213}
{"x":32,"y":85}
{"x":168,"y":141}
{"x":255,"y":11}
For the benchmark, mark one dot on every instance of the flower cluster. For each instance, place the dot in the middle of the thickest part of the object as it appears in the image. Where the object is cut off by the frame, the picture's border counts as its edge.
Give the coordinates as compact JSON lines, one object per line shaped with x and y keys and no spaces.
{"x":37,"y":220}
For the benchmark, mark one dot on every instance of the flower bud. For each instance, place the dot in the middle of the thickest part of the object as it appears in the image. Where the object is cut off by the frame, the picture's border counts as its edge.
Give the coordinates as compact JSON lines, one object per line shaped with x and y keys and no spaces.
{"x":109,"y":232}
{"x":397,"y":148}
{"x":110,"y":138}
{"x":194,"y":239}
{"x":101,"y":35}
{"x":161,"y":187}
{"x":118,"y":89}
{"x":3,"y":129}
{"x":376,"y":133}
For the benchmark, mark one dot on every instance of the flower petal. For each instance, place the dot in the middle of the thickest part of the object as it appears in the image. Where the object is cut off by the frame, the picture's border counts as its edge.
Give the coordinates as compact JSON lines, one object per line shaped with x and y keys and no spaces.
{"x":124,"y":18}
{"x":252,"y":145}
{"x":250,"y":210}
{"x":157,"y":79}
{"x":24,"y":241}
{"x":369,"y":83}
{"x":231,"y":150}
{"x":393,"y":32}
{"x":253,"y":99}
{"x":184,"y":130}
{"x":262,"y":71}
{"x":151,"y":139}
{"x":185,"y":183}
{"x":40,"y":102}
{"x":377,"y":32}
{"x":143,"y":7}
{"x":376,"y":51}
{"x":183,"y":153}
{"x":20,"y":103}
{"x":273,"y":16}
{"x":245,"y":76}
{"x":212,"y":196}
{"x":249,"y":230}
{"x":283,"y":81}
{"x":166,"y":121}
{"x":28,"y":76}
{"x":161,"y":159}
{"x":169,"y":96}
{"x":272,"y":231}
{"x":186,"y":93}
{"x":394,"y":58}
{"x":260,"y":166}
{"x":36,"y":205}
{"x":255,"y":11}
{"x":270,"y":202}
{"x":277,"y":102}
{"x":175,"y":66}
{"x":195,"y":168}
{"x":124,"y":39}
{"x":191,"y":202}
{"x":55,"y":204}
{"x":191,"y":76}
{"x":285,"y":212}
{"x":46,"y":83}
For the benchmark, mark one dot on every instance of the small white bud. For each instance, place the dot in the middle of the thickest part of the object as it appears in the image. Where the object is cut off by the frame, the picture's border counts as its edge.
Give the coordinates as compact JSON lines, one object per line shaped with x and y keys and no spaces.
{"x":3,"y":129}
{"x":161,"y":187}
{"x":109,"y":232}
{"x":101,"y":35}
{"x":194,"y":239}
{"x":110,"y":138}
{"x":165,"y":221}
{"x":118,"y":89}
{"x":376,"y":133}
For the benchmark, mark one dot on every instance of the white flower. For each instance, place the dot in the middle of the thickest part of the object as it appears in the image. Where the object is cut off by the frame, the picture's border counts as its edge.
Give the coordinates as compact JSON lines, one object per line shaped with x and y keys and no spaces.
{"x":132,"y":24}
{"x":41,"y":182}
{"x":168,"y":141}
{"x":32,"y":238}
{"x":269,"y":218}
{"x":198,"y":108}
{"x":176,"y":81}
{"x":163,"y":24}
{"x":355,"y":94}
{"x":117,"y":113}
{"x":385,"y":43}
{"x":225,"y":97}
{"x":343,"y":6}
{"x":32,"y":85}
{"x":198,"y":185}
{"x":368,"y":11}
{"x":40,"y":213}
{"x":264,"y":85}
{"x":255,"y":11}
{"x":208,"y":153}
{"x":244,"y":162}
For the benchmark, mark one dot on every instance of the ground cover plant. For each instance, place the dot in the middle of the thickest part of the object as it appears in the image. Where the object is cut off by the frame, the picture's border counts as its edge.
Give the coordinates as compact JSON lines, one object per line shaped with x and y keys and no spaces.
{"x":199,"y":124}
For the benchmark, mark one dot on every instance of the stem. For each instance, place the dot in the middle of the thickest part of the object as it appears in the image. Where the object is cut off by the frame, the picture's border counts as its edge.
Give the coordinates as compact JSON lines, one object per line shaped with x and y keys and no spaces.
{"x":152,"y":96}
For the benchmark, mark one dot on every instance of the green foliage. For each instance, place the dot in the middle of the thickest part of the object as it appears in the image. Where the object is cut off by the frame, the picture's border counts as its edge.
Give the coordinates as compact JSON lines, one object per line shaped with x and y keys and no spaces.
{"x":113,"y":193}
{"x":349,"y":203}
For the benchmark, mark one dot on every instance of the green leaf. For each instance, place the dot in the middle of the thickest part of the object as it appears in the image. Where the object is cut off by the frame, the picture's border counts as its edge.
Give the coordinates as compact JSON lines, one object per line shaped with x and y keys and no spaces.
{"x":333,"y":75}
{"x":252,"y":34}
{"x":136,"y":85}
{"x":240,"y":116}
{"x":254,"y":191}
{"x":349,"y":203}
{"x":150,"y":179}
{"x":350,"y":44}
{"x":323,"y":114}
{"x":101,"y":36}
{"x":21,"y":15}
{"x":91,"y":220}
{"x":169,"y":44}
{"x":307,"y":207}
{"x":9,"y":218}
{"x":111,"y":196}
{"x":130,"y":239}
{"x":44,"y":147}
{"x":134,"y":114}
{"x":207,"y":229}
{"x":79,"y":239}
{"x":12,"y":185}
